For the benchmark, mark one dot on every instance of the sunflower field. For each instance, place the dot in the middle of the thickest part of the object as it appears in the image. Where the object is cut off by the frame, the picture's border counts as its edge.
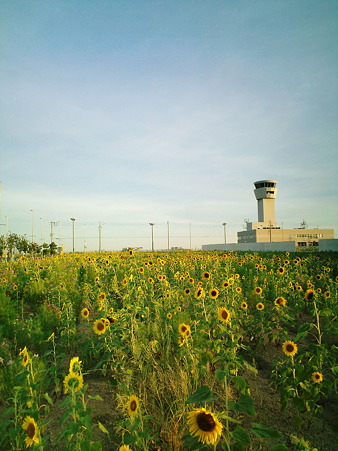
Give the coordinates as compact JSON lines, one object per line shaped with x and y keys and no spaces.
{"x":185,"y":350}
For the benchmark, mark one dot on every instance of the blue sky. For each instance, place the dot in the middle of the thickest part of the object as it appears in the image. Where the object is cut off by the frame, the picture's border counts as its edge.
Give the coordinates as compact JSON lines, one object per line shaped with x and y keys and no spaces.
{"x":130,"y":112}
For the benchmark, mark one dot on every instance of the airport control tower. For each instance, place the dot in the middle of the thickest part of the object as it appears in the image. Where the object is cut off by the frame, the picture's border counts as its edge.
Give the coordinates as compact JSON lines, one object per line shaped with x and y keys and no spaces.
{"x":265,"y":193}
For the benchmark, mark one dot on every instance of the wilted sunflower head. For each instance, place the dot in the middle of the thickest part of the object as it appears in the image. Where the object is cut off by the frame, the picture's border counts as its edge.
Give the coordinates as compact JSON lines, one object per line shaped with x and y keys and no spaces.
{"x":204,"y":425}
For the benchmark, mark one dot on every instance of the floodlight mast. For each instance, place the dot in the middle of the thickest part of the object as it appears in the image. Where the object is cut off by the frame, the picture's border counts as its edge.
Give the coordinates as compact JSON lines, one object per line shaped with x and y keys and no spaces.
{"x":73,"y":221}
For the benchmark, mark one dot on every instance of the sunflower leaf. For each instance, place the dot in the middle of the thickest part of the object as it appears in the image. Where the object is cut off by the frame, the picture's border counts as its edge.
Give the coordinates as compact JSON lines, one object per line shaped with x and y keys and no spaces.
{"x":203,"y":393}
{"x":102,"y":428}
{"x":245,"y":404}
{"x":240,"y":435}
{"x":265,"y":431}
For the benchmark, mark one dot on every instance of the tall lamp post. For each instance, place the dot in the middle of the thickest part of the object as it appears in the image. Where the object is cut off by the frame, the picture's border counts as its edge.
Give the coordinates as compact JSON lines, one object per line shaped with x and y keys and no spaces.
{"x":152,"y":235}
{"x":73,"y":221}
{"x":225,"y":236}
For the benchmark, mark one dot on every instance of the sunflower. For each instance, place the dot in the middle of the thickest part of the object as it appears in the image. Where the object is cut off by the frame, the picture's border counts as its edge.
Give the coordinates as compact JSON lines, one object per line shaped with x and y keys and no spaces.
{"x":99,"y":327}
{"x":239,"y":289}
{"x":169,"y":315}
{"x":223,"y":314}
{"x":317,"y":377}
{"x":73,"y":381}
{"x":309,"y":294}
{"x":124,"y":448}
{"x":260,"y":306}
{"x":184,"y":330}
{"x":85,"y":313}
{"x":327,"y":294}
{"x":187,"y":291}
{"x":258,"y":290}
{"x":32,"y":431}
{"x":281,"y":270}
{"x":244,"y":305}
{"x":280,"y":301}
{"x":289,"y":348}
{"x":204,"y":425}
{"x":213,"y":293}
{"x":226,"y":284}
{"x":132,"y":405}
{"x":25,"y":357}
{"x":181,"y":340}
{"x":75,"y":365}
{"x":199,"y":292}
{"x":206,"y":275}
{"x":102,"y":296}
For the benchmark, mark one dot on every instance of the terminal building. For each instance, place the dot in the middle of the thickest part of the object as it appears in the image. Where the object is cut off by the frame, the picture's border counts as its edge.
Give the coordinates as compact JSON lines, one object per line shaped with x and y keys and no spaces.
{"x":268,"y":235}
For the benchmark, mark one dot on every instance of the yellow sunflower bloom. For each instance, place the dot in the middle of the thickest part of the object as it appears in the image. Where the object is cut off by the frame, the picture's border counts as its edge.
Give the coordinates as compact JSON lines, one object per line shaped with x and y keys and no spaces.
{"x":73,"y":382}
{"x":223,"y":314}
{"x":124,"y":448}
{"x":75,"y":365}
{"x":289,"y":348}
{"x":280,"y":301}
{"x":204,"y":425}
{"x":85,"y":313}
{"x":132,"y":405}
{"x":184,"y":330}
{"x":32,"y":431}
{"x":309,"y":294}
{"x":260,"y":306}
{"x":317,"y":377}
{"x":99,"y":327}
{"x":25,"y":357}
{"x":214,"y":293}
{"x":244,"y":305}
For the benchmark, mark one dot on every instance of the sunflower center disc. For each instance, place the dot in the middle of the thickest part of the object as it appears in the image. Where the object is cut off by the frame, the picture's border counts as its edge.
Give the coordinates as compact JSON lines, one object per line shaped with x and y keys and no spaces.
{"x":205,"y":421}
{"x":31,"y":430}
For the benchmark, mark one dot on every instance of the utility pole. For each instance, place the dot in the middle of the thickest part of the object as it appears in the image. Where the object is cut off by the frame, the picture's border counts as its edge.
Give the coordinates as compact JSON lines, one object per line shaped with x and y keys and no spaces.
{"x":100,"y":236}
{"x":168,"y":236}
{"x":152,"y":235}
{"x":73,"y":221}
{"x":225,"y":237}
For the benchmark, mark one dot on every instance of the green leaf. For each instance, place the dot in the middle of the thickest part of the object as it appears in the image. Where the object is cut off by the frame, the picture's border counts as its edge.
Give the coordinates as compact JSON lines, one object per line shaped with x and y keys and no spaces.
{"x":129,"y":439}
{"x":241,"y":383}
{"x":245,"y":404}
{"x":326,"y":311}
{"x":203,"y":393}
{"x":48,"y":398}
{"x":220,"y":375}
{"x":223,"y":416}
{"x":240,"y":435}
{"x":102,"y":428}
{"x":96,"y":397}
{"x":265,"y":431}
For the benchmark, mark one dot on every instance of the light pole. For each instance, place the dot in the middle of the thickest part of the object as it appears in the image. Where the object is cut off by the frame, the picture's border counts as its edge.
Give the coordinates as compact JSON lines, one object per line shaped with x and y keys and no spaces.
{"x":152,"y":235}
{"x":32,"y":225}
{"x":100,"y":236}
{"x":225,"y":236}
{"x":73,"y":221}
{"x":168,"y":235}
